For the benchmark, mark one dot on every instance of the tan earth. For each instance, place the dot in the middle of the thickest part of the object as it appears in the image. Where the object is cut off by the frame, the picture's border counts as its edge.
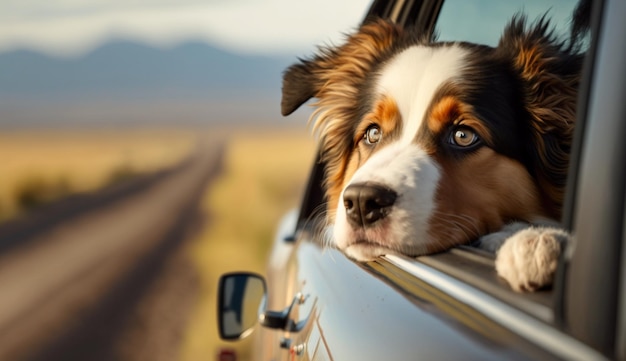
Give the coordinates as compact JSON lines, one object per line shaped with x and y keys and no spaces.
{"x":110,"y":282}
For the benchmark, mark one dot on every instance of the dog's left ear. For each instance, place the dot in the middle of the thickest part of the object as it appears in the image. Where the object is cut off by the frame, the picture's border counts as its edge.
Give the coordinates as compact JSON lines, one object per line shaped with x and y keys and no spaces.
{"x":550,"y":74}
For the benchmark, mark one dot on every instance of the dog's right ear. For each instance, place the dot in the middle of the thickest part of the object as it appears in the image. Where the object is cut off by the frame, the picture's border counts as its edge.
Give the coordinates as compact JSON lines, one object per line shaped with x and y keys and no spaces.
{"x":338,"y":70}
{"x":299,"y":85}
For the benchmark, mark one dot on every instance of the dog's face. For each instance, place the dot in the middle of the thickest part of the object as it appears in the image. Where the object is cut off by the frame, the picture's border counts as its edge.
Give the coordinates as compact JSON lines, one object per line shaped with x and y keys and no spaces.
{"x":429,"y":145}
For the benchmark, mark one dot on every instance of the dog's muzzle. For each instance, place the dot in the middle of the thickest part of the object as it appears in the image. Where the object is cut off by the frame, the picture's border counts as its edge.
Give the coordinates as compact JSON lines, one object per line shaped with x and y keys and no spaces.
{"x":367,"y":203}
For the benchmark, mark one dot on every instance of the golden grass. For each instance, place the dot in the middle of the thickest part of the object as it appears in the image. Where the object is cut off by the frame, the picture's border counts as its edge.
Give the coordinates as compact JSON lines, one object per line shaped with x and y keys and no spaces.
{"x":58,"y":163}
{"x":264,"y":176}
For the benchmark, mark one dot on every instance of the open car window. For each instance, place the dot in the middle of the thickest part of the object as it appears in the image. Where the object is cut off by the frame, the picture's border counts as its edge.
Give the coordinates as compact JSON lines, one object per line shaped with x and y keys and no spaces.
{"x":477,"y":21}
{"x":483,"y":22}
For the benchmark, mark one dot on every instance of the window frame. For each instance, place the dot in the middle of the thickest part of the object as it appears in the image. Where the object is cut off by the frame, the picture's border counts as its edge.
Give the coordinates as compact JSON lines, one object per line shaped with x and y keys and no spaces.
{"x":590,"y":270}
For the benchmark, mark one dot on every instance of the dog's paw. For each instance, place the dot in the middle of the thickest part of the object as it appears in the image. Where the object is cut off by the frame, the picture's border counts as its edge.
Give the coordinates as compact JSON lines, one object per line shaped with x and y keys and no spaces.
{"x":528,"y":259}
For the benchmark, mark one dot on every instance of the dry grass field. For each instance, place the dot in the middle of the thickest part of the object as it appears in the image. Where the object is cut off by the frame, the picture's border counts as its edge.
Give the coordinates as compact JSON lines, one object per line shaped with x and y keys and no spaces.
{"x":39,"y":166}
{"x":264,"y":176}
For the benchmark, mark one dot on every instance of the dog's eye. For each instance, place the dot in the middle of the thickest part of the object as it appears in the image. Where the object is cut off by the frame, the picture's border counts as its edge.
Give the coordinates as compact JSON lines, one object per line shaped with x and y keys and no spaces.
{"x":464,"y":137}
{"x":373,"y":134}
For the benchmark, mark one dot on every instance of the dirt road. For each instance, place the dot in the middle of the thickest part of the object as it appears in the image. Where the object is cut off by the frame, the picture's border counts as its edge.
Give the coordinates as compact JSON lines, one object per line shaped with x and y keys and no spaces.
{"x":76,"y":289}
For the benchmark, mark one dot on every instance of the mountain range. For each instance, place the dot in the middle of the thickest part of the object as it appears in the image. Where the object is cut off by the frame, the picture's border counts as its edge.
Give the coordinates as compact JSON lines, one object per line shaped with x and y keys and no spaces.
{"x":123,"y":82}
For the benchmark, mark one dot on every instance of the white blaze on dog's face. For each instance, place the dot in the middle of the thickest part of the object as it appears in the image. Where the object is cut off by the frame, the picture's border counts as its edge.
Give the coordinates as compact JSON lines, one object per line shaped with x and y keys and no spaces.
{"x":427,"y":145}
{"x":401,"y":165}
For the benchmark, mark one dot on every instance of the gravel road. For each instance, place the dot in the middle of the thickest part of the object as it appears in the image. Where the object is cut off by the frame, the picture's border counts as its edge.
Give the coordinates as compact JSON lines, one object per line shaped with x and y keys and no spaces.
{"x":109,"y":282}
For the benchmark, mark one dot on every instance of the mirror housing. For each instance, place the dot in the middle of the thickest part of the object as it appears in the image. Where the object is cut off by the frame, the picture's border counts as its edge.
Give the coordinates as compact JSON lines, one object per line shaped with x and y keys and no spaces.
{"x":240,"y":297}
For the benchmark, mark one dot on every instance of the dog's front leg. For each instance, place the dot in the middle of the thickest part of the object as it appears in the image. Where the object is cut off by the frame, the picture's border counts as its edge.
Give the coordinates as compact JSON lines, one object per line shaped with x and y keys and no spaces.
{"x":526,"y":256}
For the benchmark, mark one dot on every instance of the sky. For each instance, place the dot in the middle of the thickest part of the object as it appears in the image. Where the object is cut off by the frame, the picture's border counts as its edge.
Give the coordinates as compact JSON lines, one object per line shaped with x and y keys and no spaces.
{"x":69,"y":28}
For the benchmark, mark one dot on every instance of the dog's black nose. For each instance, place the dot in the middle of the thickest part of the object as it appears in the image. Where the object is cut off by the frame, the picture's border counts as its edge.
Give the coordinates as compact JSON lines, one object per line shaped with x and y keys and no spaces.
{"x":366,"y":203}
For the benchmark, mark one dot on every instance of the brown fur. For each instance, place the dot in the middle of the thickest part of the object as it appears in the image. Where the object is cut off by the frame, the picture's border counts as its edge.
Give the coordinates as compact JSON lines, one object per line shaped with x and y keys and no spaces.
{"x":451,"y":110}
{"x":551,"y":78}
{"x":334,"y":78}
{"x":485,"y":186}
{"x":478,"y":195}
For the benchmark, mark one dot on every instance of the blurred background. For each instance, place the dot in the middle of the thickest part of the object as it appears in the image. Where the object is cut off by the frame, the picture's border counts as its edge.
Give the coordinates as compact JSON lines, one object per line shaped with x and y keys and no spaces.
{"x":142,"y":154}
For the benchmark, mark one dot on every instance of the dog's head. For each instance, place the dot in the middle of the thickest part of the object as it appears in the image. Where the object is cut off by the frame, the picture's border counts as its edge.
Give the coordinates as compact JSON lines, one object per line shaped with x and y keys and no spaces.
{"x":429,"y":145}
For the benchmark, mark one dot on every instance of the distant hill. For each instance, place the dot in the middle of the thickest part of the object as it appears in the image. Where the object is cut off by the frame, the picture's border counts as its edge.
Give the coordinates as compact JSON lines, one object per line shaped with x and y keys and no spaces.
{"x":128,"y":82}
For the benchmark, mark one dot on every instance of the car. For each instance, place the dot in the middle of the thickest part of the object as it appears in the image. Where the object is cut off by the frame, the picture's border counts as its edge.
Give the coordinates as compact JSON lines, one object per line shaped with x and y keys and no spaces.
{"x":317,"y":304}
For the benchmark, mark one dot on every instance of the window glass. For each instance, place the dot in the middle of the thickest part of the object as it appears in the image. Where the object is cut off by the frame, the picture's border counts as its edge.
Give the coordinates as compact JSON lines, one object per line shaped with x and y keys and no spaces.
{"x":457,"y":18}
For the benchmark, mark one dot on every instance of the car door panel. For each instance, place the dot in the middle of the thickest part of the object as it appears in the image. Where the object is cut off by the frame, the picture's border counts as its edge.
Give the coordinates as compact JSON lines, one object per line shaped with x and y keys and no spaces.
{"x":370,"y":311}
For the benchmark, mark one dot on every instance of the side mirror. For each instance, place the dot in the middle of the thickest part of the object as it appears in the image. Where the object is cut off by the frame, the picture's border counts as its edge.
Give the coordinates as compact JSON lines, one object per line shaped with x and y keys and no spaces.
{"x":239,"y":299}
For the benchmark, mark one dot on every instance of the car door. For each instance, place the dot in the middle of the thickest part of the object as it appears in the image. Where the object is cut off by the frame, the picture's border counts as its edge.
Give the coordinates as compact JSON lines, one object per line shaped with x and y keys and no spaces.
{"x":452,"y":305}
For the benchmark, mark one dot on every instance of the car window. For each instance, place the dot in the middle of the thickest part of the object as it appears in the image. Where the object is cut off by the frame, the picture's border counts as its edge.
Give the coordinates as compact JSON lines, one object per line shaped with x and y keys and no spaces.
{"x":457,"y":18}
{"x":483,"y":22}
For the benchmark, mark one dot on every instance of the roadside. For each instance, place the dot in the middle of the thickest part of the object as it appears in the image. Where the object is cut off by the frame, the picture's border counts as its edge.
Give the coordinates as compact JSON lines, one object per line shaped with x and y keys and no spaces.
{"x":151,"y":296}
{"x":67,"y":292}
{"x":263,"y":177}
{"x":154,"y":330}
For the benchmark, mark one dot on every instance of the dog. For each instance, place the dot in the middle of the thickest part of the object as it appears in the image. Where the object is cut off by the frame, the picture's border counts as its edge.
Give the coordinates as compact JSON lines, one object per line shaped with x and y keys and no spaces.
{"x":428,"y":145}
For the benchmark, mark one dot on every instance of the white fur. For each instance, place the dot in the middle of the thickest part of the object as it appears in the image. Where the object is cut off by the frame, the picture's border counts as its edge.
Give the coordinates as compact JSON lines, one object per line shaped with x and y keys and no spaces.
{"x":411,"y":78}
{"x":414,"y":177}
{"x":528,"y":259}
